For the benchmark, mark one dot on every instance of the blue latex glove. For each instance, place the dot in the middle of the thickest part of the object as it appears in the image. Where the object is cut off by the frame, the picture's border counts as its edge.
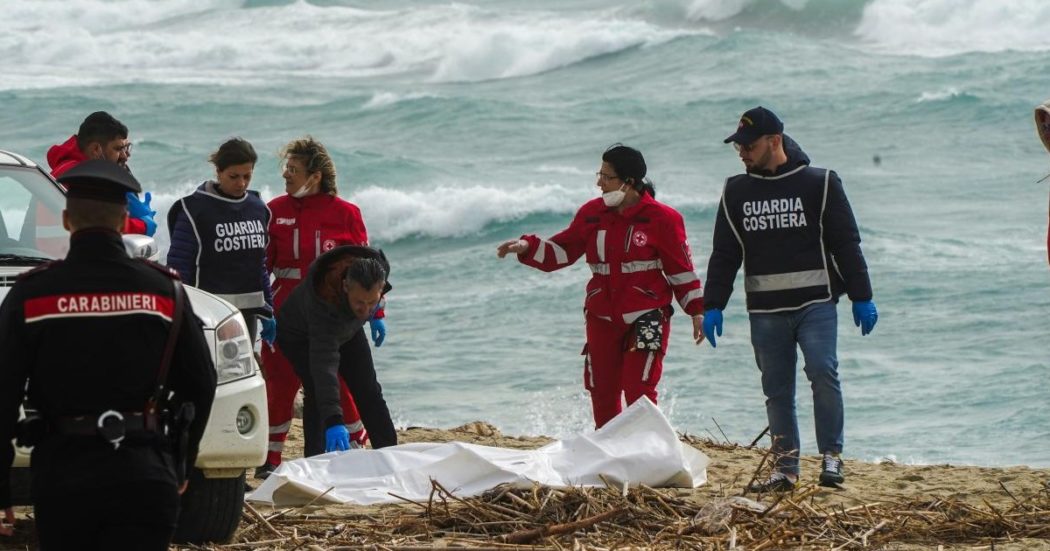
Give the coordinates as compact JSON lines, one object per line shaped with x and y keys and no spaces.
{"x":140,"y":209}
{"x":151,"y":225}
{"x":378,"y":331}
{"x":336,"y":438}
{"x":712,"y":324}
{"x":269,"y":330}
{"x":865,"y":316}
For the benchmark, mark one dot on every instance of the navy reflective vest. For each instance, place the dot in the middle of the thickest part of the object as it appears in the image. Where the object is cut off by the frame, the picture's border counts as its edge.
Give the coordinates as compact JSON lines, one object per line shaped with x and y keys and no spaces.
{"x":231,"y":237}
{"x":795,"y":232}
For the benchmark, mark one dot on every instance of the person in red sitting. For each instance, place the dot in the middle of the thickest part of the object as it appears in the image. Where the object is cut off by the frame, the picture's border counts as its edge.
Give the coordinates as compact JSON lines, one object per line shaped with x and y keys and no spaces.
{"x":101,"y":136}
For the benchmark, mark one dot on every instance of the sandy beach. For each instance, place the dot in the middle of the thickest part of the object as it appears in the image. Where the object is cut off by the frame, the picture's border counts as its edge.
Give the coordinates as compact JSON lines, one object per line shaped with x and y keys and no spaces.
{"x":942,"y":500}
{"x":732,"y":466}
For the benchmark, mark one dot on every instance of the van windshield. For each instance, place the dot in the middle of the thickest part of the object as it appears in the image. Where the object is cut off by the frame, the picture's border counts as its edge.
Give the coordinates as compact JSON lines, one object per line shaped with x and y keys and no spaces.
{"x":30,"y":216}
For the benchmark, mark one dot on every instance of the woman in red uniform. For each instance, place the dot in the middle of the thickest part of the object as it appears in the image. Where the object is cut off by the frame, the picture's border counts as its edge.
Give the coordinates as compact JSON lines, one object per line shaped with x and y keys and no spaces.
{"x":636,"y":249}
{"x":308,"y":221}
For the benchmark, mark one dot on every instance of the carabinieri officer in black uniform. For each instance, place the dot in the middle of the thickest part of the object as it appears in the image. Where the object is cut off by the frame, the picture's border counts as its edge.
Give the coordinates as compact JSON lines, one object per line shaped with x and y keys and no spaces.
{"x":110,"y":348}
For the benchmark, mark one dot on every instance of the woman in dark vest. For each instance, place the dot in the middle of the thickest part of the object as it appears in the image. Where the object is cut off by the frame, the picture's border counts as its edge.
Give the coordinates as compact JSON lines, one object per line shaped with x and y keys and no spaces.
{"x":219,"y":237}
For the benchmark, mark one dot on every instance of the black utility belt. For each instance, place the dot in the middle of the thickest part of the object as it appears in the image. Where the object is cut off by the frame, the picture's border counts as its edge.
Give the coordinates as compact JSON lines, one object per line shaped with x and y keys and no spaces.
{"x":112,"y":426}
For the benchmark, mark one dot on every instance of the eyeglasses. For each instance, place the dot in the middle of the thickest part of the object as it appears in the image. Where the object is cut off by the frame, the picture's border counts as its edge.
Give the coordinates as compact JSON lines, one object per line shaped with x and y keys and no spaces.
{"x":606,"y":177}
{"x":126,"y":149}
{"x":292,"y":170}
{"x":749,"y":147}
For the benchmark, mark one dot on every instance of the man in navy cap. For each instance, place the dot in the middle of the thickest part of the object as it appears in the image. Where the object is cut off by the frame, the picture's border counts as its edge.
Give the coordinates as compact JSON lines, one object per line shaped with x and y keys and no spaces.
{"x":792,"y":227}
{"x":106,"y":343}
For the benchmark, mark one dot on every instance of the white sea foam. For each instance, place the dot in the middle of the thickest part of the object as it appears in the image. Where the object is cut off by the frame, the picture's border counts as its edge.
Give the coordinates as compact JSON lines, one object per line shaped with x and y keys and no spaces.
{"x":218,"y":41}
{"x":911,"y":27}
{"x":947,"y":27}
{"x":386,"y":99}
{"x":939,"y":95}
{"x":447,"y":211}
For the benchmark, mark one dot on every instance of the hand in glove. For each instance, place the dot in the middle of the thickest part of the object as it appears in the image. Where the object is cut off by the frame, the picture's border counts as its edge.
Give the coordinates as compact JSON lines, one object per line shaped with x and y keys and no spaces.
{"x":865,"y":316}
{"x":151,"y":226}
{"x":712,"y":324}
{"x":269,"y":330}
{"x":378,"y":331}
{"x":516,"y":246}
{"x":140,"y":209}
{"x":336,"y":438}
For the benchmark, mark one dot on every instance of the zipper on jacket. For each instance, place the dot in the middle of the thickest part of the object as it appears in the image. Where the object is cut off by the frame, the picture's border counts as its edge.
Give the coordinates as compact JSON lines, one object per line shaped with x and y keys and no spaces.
{"x":317,"y":243}
{"x":627,"y":241}
{"x":295,"y":243}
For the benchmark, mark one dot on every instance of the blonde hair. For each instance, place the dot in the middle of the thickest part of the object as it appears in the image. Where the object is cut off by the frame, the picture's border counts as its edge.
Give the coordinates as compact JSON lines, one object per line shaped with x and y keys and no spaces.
{"x":315,"y":157}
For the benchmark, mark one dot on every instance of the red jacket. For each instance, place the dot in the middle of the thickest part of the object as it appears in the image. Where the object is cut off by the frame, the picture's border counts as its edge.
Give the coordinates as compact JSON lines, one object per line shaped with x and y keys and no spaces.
{"x":67,"y":155}
{"x":637,"y":258}
{"x":303,"y":229}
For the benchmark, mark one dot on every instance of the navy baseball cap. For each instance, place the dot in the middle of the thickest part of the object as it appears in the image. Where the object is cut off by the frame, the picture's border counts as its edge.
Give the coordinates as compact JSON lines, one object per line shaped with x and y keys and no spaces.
{"x":100,"y":180}
{"x":754,"y":124}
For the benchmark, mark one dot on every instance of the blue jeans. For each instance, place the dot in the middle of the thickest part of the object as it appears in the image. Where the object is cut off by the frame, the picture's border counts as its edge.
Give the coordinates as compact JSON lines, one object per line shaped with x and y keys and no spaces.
{"x":776,"y":339}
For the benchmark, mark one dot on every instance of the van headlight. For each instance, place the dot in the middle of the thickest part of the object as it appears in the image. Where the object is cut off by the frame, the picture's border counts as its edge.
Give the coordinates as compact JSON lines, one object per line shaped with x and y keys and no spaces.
{"x":233,"y":350}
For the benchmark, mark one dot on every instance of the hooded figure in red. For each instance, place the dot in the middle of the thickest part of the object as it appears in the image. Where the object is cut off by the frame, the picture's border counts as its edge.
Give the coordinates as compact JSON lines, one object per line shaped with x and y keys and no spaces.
{"x":639,"y":259}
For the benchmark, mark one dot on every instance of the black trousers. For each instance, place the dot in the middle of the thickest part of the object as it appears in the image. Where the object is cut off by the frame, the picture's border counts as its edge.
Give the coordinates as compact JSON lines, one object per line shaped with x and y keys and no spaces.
{"x":129,"y":515}
{"x":357,"y":369}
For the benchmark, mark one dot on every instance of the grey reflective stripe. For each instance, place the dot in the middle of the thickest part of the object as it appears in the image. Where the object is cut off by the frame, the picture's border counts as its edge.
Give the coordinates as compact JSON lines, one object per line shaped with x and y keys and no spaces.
{"x":280,"y":429}
{"x":690,"y":297}
{"x":242,"y":301}
{"x":641,"y":266}
{"x":295,"y":243}
{"x":630,"y":317}
{"x":590,"y":371}
{"x":317,"y":243}
{"x":648,"y":366}
{"x":783,"y":282}
{"x":275,"y":447}
{"x":354,"y":427}
{"x":601,"y":245}
{"x":287,"y":273}
{"x":600,"y":269}
{"x":682,"y":278}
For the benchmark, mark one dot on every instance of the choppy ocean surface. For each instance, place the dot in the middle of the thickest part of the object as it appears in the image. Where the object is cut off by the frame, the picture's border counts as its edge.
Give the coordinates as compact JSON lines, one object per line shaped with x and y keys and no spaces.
{"x":455,"y":125}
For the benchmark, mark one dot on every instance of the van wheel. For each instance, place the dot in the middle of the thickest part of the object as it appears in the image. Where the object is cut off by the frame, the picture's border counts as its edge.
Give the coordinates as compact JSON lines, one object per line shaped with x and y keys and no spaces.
{"x":210,"y":510}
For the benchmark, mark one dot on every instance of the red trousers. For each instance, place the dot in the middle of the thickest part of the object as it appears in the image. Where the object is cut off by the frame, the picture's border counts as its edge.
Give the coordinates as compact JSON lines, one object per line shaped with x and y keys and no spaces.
{"x":282,"y":384}
{"x":612,"y":371}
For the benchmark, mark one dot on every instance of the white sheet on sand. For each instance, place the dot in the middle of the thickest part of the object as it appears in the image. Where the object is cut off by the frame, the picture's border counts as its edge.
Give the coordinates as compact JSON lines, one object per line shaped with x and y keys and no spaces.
{"x":637,"y":447}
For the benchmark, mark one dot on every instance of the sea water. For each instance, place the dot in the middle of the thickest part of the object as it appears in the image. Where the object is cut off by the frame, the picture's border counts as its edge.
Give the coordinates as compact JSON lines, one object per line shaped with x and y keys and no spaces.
{"x":456,"y":125}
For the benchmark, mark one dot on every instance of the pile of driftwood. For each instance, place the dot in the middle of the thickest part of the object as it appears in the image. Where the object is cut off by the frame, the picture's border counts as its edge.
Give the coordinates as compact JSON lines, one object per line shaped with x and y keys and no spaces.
{"x":616,"y":517}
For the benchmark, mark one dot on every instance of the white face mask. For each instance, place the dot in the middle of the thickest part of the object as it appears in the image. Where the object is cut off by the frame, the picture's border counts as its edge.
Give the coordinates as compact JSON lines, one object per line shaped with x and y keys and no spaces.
{"x":614,"y":198}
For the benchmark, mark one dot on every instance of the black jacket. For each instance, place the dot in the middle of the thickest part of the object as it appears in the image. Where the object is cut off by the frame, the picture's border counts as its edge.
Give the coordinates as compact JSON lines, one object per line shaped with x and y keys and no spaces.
{"x":309,"y":320}
{"x":795,"y":233}
{"x":88,"y":333}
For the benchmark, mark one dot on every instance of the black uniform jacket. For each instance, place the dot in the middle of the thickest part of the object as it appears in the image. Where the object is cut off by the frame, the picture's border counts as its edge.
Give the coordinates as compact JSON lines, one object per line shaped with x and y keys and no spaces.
{"x":88,"y":334}
{"x":795,"y":234}
{"x":306,"y":317}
